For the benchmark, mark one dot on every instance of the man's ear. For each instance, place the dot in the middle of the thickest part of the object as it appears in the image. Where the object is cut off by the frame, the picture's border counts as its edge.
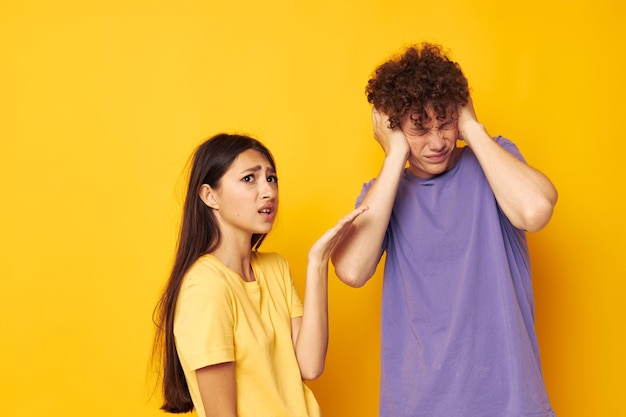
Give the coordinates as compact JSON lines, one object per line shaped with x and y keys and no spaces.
{"x":207,"y":195}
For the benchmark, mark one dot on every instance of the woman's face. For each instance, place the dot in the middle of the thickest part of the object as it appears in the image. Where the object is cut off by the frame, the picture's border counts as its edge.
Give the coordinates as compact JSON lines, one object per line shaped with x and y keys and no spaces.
{"x":246,"y":200}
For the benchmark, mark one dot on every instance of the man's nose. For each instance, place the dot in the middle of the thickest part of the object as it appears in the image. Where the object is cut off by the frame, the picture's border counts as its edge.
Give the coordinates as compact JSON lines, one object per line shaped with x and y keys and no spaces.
{"x":436,"y":141}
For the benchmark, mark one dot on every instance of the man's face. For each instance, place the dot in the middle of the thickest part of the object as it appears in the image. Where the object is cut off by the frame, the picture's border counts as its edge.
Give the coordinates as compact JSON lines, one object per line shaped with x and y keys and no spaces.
{"x":432,"y":142}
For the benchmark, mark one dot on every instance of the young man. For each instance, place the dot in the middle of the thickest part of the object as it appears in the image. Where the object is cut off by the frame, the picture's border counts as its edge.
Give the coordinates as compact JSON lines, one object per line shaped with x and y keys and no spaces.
{"x":458,"y":337}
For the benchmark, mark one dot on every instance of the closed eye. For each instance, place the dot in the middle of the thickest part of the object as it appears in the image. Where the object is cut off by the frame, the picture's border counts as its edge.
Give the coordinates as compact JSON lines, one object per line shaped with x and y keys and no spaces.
{"x":447,"y":125}
{"x":420,"y":131}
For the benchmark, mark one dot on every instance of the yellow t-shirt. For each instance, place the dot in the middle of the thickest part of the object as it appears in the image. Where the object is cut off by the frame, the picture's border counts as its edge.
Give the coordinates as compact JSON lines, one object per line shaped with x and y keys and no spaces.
{"x":221,"y":318}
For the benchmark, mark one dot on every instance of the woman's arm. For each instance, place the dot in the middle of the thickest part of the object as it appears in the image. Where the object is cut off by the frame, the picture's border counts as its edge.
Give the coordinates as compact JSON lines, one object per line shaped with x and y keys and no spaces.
{"x":218,"y":389}
{"x":310,"y":332}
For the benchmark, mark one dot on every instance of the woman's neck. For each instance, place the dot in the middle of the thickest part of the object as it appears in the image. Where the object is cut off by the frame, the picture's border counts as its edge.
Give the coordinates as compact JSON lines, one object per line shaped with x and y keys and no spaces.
{"x":237,"y":258}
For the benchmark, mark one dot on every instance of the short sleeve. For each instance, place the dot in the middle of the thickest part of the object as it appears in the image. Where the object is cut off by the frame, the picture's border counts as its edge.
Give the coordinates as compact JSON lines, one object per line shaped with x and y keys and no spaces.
{"x":364,"y":190}
{"x":294,"y":303}
{"x":297,"y":309}
{"x":366,"y":187}
{"x":510,"y":147}
{"x":203,"y":325}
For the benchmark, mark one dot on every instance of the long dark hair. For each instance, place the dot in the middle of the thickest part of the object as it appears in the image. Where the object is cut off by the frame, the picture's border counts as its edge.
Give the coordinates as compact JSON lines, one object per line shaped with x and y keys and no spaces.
{"x":199,"y":235}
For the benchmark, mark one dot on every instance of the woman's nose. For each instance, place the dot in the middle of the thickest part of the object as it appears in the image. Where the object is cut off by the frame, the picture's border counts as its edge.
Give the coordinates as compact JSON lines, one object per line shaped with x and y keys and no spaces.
{"x":267,"y":190}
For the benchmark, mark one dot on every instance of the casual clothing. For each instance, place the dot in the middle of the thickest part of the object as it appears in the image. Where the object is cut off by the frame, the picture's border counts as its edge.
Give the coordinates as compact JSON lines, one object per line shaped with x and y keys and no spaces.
{"x":458,"y":337}
{"x":221,"y":318}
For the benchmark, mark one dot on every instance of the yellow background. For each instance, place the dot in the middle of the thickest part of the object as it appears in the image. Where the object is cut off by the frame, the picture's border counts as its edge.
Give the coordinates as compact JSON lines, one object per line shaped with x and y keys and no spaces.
{"x":102,"y":103}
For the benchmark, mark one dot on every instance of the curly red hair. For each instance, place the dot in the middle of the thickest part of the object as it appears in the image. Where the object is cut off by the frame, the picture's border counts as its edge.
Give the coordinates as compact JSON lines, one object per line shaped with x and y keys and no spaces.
{"x":423,"y":75}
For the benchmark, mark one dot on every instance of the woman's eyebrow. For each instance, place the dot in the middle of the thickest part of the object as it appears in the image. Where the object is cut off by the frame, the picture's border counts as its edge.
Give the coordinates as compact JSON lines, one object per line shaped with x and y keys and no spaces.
{"x":258,"y":168}
{"x":255,"y":168}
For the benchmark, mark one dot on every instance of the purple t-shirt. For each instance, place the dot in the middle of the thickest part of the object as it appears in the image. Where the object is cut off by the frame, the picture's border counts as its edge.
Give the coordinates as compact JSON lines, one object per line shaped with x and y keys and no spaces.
{"x":458,"y":337}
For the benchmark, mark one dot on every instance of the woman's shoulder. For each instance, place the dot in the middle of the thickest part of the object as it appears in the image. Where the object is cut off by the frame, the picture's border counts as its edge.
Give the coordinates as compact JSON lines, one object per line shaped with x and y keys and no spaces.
{"x":206,"y":262}
{"x":268,"y":258}
{"x":205,"y":269}
{"x":272,"y":270}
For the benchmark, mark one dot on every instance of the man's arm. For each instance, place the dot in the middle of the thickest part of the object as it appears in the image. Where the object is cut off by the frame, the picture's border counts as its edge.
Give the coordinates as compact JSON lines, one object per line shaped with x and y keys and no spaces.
{"x":355,"y":258}
{"x":525,"y":195}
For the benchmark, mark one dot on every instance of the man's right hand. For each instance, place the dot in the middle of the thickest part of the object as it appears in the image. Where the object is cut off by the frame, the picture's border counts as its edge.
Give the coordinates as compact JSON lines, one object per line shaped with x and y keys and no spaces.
{"x":389,"y":139}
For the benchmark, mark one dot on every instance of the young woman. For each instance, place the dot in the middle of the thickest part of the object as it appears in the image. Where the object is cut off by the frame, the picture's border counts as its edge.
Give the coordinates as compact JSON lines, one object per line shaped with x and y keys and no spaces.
{"x":235,"y":338}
